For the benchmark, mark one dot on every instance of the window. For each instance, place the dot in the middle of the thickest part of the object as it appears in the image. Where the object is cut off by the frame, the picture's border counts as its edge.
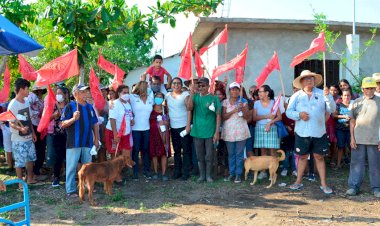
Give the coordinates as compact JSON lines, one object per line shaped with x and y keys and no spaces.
{"x":332,"y":69}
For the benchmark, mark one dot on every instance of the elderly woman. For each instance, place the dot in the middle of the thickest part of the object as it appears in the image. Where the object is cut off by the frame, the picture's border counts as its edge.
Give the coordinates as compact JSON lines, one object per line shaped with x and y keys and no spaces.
{"x":266,"y":137}
{"x":142,"y":106}
{"x":235,"y":130}
{"x":179,"y":122}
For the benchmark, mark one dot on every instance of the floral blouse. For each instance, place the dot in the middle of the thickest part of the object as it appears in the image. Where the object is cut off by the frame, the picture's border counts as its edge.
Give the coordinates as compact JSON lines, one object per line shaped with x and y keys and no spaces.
{"x":235,"y":128}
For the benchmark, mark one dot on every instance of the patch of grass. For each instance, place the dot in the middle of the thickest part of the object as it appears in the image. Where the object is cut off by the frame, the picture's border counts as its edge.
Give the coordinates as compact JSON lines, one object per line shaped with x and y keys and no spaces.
{"x":168,"y":205}
{"x":90,"y":215}
{"x":142,"y":207}
{"x":50,"y":201}
{"x":125,"y":204}
{"x":117,"y":197}
{"x":59,"y":212}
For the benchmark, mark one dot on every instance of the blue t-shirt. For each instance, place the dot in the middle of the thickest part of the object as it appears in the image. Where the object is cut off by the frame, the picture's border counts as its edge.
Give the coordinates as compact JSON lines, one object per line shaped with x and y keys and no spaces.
{"x":79,"y":134}
{"x":343,"y":124}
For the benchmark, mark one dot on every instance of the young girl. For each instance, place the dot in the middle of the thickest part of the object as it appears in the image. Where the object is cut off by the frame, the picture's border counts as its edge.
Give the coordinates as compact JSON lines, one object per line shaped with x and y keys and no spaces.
{"x":343,"y":124}
{"x":159,"y":137}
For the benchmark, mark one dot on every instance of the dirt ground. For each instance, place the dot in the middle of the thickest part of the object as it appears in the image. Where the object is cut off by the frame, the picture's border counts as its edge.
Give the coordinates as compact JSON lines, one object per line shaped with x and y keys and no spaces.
{"x":189,"y":203}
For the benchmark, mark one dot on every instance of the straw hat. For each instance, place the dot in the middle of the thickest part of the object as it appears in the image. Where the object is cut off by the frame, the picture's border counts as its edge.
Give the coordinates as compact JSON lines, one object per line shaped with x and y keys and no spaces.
{"x":376,"y":76}
{"x":369,"y":82}
{"x":304,"y":74}
{"x":43,"y":88}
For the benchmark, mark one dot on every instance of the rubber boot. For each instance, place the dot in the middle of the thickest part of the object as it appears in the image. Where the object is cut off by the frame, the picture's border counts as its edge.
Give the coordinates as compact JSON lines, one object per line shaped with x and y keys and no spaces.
{"x":209,"y":167}
{"x":201,"y":172}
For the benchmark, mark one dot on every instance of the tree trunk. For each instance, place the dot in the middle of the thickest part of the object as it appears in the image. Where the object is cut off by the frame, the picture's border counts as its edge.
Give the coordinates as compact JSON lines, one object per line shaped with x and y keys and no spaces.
{"x":4,"y":62}
{"x":81,"y":74}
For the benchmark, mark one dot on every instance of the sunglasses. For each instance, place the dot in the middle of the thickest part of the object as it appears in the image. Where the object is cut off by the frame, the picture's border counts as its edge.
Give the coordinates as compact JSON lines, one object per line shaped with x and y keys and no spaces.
{"x":176,"y":83}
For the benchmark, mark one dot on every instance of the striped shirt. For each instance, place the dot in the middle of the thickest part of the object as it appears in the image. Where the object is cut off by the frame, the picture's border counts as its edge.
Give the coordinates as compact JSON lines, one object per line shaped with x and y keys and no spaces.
{"x":79,"y":134}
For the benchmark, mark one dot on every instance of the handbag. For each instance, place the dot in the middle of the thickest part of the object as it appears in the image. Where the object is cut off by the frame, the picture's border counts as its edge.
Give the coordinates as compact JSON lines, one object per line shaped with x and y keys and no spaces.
{"x":281,"y":129}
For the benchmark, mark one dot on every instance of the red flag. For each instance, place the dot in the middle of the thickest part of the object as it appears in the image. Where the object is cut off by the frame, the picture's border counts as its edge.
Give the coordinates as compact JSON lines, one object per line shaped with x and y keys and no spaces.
{"x":271,"y":65}
{"x":317,"y":45}
{"x":95,"y":91}
{"x":198,"y":64}
{"x":27,"y":71}
{"x":109,"y":67}
{"x":237,"y":62}
{"x":185,"y":69}
{"x":48,"y":110}
{"x":59,"y":69}
{"x":4,"y":93}
{"x":123,"y":127}
{"x":222,"y":38}
{"x":7,"y":116}
{"x":212,"y":86}
{"x":276,"y":105}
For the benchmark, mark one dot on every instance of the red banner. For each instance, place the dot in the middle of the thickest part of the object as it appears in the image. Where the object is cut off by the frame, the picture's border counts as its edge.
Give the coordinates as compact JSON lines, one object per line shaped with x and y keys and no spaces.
{"x":198,"y":64}
{"x":185,"y":69}
{"x":96,"y":93}
{"x":237,"y":62}
{"x":27,"y":71}
{"x":48,"y":110}
{"x":271,"y":65}
{"x":109,"y":67}
{"x":222,"y":38}
{"x":7,"y":116}
{"x":317,"y":45}
{"x":59,"y":69}
{"x":4,"y":93}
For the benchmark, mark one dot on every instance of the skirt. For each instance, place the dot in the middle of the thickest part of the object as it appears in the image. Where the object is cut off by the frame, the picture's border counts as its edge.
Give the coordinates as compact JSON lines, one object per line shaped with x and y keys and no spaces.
{"x":266,"y":139}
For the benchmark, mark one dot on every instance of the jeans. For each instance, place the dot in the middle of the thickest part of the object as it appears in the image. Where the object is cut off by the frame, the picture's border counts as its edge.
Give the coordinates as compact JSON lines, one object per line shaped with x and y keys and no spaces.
{"x":181,"y":144}
{"x":60,"y":151}
{"x":40,"y":152}
{"x":249,"y":141}
{"x":235,"y":157}
{"x":289,"y":160}
{"x":50,"y":159}
{"x":72,"y":158}
{"x":141,"y":142}
{"x":357,"y":167}
{"x":204,"y":148}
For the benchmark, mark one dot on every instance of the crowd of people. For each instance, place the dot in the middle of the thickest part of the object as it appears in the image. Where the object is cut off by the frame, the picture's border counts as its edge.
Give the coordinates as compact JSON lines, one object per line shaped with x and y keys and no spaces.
{"x":200,"y":128}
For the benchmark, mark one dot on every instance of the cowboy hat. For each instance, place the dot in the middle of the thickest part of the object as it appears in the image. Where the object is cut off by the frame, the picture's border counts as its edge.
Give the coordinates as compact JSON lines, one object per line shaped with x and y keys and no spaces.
{"x":304,"y":74}
{"x":376,"y":76}
{"x":369,"y":82}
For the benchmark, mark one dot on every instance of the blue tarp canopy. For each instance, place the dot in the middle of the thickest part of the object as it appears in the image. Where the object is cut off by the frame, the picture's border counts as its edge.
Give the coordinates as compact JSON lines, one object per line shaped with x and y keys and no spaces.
{"x":14,"y":41}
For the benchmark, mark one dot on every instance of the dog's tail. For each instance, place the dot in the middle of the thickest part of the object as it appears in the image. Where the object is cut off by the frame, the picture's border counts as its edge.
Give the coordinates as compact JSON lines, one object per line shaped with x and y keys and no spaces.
{"x":82,"y":181}
{"x":282,"y":157}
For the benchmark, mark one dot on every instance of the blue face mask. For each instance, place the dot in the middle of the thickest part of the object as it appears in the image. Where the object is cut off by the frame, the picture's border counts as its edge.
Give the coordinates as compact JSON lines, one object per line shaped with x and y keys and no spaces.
{"x":158,"y":100}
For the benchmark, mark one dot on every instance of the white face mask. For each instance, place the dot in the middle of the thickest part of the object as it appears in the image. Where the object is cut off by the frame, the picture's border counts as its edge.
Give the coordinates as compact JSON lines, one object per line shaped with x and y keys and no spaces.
{"x":59,"y":98}
{"x":125,"y":97}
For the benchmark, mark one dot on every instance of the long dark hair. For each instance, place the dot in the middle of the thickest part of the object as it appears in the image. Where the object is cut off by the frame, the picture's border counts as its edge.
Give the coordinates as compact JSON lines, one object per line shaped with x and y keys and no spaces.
{"x":347,"y":82}
{"x":269,"y":90}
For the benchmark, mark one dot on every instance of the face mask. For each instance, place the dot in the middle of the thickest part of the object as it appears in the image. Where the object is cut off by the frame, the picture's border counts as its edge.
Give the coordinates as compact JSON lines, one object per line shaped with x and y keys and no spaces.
{"x":59,"y":98}
{"x":125,"y":97}
{"x":156,"y":88}
{"x":158,"y":100}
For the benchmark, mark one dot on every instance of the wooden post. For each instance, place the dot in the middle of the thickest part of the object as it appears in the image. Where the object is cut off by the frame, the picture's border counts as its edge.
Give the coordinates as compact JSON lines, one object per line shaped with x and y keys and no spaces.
{"x":324,"y":70}
{"x":282,"y":84}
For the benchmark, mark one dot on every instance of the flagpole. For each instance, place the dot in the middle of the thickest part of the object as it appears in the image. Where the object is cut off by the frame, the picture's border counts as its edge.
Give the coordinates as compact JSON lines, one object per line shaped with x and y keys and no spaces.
{"x":324,"y":70}
{"x":282,"y":83}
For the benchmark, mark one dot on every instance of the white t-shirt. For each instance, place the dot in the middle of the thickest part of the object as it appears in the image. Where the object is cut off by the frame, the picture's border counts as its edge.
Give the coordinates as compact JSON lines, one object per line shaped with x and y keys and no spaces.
{"x":22,"y":112}
{"x":117,"y":112}
{"x":141,"y":112}
{"x":177,"y":109}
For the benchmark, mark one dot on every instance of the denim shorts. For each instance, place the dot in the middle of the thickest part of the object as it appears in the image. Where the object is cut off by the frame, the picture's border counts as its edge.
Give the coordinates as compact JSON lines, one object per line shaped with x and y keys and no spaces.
{"x":309,"y":145}
{"x":23,"y":152}
{"x":343,"y":137}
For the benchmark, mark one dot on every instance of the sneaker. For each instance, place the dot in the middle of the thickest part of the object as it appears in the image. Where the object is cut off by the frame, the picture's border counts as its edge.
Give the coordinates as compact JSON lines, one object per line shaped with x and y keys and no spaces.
{"x":262,"y":175}
{"x":294,"y":173}
{"x":376,"y":192}
{"x":165,"y":178}
{"x":284,"y":172}
{"x":55,"y":183}
{"x":155,"y":176}
{"x":237,"y":179}
{"x":352,"y":192}
{"x":147,"y":176}
{"x":229,"y":178}
{"x":311,"y":177}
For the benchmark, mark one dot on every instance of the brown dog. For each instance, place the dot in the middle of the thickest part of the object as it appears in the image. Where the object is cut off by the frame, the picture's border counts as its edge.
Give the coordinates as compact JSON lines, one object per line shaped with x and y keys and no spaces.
{"x":106,"y":172}
{"x":258,"y":163}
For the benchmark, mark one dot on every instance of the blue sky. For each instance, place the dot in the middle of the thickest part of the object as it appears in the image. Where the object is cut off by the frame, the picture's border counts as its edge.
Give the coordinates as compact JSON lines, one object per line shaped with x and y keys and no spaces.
{"x":338,"y":10}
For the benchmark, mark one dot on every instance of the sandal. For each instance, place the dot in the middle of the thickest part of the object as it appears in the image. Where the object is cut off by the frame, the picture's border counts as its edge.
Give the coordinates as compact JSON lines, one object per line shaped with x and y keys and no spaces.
{"x":71,"y":195}
{"x":296,"y":187}
{"x":326,"y":190}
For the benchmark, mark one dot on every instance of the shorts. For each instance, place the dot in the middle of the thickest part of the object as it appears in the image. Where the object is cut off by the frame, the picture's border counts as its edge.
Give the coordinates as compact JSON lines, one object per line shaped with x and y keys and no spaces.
{"x":343,"y":137}
{"x":7,"y":143}
{"x":309,"y":145}
{"x":124,"y":144}
{"x":23,"y":152}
